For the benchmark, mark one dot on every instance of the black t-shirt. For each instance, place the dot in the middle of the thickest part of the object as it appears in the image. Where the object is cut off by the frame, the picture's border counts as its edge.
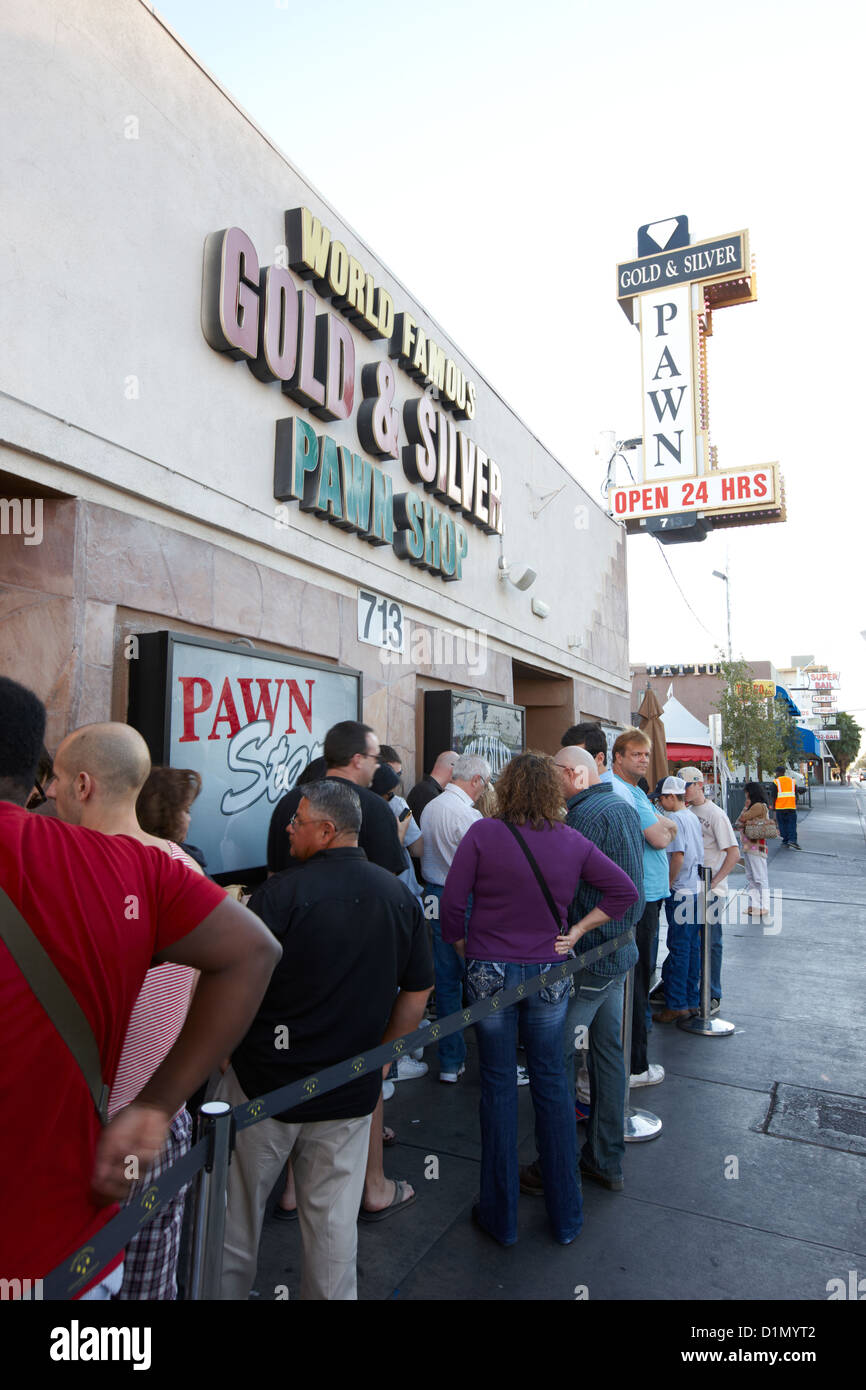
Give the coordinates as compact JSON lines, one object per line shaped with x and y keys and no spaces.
{"x":351,"y":934}
{"x":378,"y":838}
{"x":422,"y":794}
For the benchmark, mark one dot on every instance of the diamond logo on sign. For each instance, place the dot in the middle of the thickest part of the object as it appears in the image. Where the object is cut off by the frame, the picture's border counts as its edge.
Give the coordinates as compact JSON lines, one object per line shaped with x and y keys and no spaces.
{"x":666,"y":235}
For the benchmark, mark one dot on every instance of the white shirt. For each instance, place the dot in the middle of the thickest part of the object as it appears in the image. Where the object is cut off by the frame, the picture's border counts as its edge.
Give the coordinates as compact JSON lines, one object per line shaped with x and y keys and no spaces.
{"x":718,"y":836}
{"x":444,"y":822}
{"x":398,"y":805}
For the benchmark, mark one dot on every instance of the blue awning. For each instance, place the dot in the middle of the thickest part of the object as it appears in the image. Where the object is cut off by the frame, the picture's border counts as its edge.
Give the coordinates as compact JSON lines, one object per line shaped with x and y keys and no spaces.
{"x":807,"y":743}
{"x":784,"y":697}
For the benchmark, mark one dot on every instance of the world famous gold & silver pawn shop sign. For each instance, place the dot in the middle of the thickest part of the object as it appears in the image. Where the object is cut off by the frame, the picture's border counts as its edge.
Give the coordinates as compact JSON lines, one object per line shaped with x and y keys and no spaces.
{"x":670,"y":292}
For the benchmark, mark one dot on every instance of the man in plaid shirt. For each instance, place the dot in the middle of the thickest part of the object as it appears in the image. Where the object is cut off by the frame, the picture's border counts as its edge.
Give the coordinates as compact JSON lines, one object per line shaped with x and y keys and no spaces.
{"x":614,"y":827}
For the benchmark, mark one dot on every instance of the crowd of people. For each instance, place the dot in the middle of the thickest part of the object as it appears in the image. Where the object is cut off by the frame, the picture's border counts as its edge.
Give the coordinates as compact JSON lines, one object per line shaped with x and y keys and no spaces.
{"x":372,"y":902}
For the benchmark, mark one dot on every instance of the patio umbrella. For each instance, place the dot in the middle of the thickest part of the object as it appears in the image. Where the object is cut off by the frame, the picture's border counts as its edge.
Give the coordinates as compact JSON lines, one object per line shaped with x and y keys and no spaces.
{"x":650,"y":716}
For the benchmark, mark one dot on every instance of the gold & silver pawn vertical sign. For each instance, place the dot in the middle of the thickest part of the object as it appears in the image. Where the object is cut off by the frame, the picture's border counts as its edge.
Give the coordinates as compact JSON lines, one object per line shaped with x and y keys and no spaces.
{"x":670,"y":292}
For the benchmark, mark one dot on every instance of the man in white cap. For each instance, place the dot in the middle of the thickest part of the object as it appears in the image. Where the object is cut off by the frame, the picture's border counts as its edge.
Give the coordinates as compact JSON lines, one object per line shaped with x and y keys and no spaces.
{"x":681,"y":972}
{"x":721,"y":853}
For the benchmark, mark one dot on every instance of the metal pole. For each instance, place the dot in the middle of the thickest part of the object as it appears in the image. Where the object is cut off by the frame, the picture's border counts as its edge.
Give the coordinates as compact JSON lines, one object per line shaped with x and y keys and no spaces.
{"x":206,"y":1257}
{"x":728,"y":601}
{"x":637,"y":1125}
{"x":705,"y":1025}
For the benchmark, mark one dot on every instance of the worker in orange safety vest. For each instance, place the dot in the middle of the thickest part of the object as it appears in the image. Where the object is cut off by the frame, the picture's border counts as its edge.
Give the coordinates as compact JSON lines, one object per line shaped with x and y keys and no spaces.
{"x":786,"y":808}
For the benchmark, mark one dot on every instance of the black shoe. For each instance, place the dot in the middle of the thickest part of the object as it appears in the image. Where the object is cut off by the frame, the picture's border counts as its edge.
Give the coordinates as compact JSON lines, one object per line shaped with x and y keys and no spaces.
{"x":531,"y":1181}
{"x":612,"y":1184}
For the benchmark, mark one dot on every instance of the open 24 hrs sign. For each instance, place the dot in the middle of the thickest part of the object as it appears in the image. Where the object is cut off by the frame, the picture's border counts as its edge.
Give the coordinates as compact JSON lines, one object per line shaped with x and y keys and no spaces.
{"x":749,"y":489}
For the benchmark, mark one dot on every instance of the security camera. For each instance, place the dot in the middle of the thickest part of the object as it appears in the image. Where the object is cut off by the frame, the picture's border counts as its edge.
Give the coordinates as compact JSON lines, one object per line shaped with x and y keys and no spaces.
{"x":520,"y":575}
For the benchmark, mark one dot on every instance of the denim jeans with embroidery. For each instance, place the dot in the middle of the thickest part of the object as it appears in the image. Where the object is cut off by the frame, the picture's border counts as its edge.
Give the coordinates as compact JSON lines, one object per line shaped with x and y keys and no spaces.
{"x":540,"y":1020}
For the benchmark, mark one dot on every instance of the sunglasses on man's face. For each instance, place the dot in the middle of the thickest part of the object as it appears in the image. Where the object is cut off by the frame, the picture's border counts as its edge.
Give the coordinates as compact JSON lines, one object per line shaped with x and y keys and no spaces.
{"x":38,"y":796}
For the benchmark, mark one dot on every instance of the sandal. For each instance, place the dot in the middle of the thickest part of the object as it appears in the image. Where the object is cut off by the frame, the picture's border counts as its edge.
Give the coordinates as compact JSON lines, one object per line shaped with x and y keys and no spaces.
{"x":397,"y":1203}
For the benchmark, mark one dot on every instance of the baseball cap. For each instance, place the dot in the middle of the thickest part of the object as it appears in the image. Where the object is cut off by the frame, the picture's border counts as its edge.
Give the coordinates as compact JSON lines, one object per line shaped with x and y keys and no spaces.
{"x":674,"y":786}
{"x":691,"y":774}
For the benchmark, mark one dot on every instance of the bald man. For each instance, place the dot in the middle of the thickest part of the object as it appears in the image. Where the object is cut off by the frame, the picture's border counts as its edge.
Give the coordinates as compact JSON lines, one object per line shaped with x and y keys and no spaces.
{"x":104,"y":908}
{"x":610,"y":823}
{"x":99,"y":770}
{"x":433,"y":784}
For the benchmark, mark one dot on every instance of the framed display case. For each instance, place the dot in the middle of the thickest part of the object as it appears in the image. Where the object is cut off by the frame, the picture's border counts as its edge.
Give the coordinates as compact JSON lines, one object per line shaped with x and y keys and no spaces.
{"x":469,"y":723}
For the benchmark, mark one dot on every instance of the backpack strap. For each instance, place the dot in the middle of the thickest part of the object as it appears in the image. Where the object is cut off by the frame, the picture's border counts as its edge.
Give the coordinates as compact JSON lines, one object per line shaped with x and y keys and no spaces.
{"x":56,"y":998}
{"x":540,"y":877}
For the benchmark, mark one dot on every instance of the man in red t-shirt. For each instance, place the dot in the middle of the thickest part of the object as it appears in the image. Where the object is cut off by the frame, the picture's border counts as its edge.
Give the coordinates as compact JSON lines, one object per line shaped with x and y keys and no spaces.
{"x":105,"y":908}
{"x":98,"y":773}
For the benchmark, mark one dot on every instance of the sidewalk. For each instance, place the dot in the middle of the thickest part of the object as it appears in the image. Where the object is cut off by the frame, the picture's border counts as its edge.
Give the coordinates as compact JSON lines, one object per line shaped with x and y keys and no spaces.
{"x":752,"y":1189}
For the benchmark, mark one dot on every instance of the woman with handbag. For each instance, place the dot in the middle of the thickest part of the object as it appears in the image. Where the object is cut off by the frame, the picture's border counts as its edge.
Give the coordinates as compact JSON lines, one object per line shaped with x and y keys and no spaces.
{"x":522,"y":867}
{"x":756,"y":827}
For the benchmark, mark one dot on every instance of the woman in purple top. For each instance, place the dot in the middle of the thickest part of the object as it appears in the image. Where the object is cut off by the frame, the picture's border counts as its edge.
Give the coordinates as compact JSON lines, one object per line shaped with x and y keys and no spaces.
{"x":511,"y":937}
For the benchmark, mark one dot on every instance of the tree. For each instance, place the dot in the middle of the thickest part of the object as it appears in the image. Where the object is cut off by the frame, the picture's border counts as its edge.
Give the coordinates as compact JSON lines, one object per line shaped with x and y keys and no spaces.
{"x":846,"y":748}
{"x":755,"y":729}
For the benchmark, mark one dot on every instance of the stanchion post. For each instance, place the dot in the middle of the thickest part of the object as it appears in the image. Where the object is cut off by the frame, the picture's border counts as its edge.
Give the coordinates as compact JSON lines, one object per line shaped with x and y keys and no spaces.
{"x":705,"y":1025}
{"x":637,"y":1125}
{"x":214,"y":1123}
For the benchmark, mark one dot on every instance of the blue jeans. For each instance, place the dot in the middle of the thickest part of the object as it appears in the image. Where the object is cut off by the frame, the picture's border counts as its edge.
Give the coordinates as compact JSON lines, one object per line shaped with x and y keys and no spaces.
{"x":597,"y":1005}
{"x":715,"y":948}
{"x":540,"y":1019}
{"x":715,"y":905}
{"x":449,"y":970}
{"x":787,"y":823}
{"x":681,"y":971}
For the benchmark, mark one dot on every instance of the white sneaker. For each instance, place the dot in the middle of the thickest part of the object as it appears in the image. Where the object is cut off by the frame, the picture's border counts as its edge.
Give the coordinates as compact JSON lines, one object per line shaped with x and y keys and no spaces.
{"x":451,"y":1076}
{"x":651,"y":1077}
{"x":407,"y":1069}
{"x":419,"y":1051}
{"x":388,"y":1089}
{"x":522,"y":1076}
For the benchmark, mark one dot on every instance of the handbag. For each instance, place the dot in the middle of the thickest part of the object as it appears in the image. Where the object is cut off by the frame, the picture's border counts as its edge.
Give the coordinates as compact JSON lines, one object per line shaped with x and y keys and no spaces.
{"x":56,"y":998}
{"x":761,"y":829}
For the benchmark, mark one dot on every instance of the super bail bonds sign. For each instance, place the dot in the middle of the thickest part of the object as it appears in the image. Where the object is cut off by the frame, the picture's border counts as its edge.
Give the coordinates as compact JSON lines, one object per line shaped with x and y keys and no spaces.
{"x":263,"y":316}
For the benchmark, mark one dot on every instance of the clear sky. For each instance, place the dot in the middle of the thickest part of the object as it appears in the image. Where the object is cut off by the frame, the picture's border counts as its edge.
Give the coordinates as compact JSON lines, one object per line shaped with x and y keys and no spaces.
{"x":499,"y":158}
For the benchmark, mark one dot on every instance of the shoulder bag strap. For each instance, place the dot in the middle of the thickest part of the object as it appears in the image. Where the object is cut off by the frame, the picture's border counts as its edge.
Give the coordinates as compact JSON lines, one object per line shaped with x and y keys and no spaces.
{"x":56,"y":998}
{"x":538,"y":874}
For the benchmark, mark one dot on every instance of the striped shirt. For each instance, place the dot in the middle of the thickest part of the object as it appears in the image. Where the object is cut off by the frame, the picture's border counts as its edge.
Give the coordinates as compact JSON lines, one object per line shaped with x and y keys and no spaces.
{"x":157,"y":1017}
{"x":614,"y":826}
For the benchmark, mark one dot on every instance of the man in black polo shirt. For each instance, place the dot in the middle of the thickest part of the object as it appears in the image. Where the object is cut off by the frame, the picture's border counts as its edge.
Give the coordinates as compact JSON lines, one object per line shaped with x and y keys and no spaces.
{"x":351,"y":754}
{"x":352,"y":935}
{"x":433,"y":784}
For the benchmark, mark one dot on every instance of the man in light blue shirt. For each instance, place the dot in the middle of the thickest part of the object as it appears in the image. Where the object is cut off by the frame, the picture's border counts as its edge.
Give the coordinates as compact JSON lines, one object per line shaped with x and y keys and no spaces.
{"x":681,"y":971}
{"x":630,"y":758}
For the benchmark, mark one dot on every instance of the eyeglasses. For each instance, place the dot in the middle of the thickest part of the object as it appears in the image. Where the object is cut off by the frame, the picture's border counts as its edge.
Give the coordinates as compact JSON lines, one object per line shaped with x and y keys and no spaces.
{"x":314,"y":820}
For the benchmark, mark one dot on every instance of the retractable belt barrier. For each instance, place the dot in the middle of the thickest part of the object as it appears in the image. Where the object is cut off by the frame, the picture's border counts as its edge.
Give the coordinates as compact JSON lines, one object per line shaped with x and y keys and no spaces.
{"x":70,"y":1277}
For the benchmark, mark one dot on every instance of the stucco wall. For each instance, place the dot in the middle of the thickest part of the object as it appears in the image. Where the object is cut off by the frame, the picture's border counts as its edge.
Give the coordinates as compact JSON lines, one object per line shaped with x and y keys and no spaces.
{"x":113,"y":394}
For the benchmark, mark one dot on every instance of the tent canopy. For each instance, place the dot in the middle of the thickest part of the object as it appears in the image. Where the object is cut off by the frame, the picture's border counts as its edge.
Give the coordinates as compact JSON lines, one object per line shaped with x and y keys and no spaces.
{"x":682,"y":727}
